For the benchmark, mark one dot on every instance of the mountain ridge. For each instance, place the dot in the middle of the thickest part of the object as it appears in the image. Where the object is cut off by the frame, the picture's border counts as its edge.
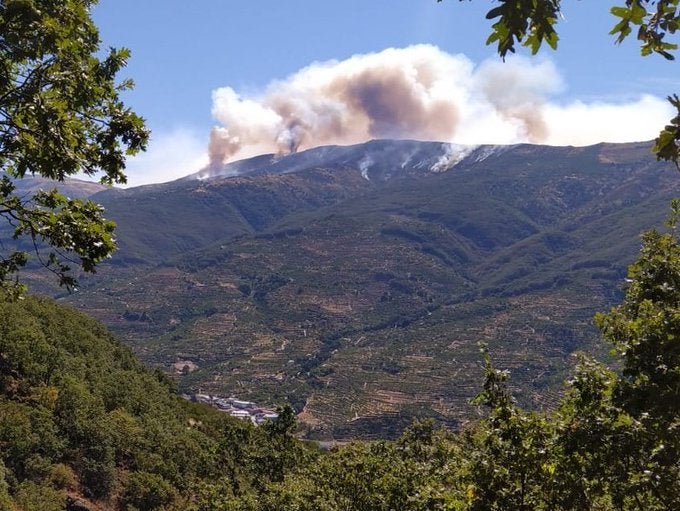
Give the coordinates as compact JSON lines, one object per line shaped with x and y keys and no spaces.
{"x":373,"y":158}
{"x":315,"y":285}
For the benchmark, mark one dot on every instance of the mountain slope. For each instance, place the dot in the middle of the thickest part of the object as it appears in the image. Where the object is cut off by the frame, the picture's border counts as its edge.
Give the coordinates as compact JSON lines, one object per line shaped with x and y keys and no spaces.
{"x":70,"y":187}
{"x":358,"y":292}
{"x":83,"y":425}
{"x":157,"y":222}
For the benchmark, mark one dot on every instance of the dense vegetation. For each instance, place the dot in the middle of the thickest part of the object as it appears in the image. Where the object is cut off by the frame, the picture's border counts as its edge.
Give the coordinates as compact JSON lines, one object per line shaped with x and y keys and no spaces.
{"x":612,"y":444}
{"x":60,"y":115}
{"x":81,"y":419}
{"x":79,"y":415}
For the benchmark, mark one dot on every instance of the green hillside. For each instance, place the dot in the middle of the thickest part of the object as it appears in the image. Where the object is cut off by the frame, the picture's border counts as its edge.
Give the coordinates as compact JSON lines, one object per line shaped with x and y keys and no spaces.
{"x":157,"y":222}
{"x":82,"y":421}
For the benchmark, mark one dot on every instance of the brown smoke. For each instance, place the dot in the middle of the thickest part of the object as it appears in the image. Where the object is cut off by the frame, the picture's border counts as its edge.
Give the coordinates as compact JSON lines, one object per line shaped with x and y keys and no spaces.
{"x":397,"y":93}
{"x":395,"y":107}
{"x":419,"y":92}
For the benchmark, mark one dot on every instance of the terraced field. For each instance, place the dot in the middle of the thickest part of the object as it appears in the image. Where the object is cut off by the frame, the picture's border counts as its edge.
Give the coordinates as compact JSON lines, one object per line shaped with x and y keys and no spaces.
{"x":362,"y":301}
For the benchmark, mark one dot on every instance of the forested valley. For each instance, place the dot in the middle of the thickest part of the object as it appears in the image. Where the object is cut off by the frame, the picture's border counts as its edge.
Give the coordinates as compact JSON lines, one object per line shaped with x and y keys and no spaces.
{"x":83,"y":425}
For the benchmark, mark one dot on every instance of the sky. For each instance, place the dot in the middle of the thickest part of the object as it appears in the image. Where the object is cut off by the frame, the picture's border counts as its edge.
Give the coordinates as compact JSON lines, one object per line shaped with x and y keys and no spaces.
{"x":218,"y":80}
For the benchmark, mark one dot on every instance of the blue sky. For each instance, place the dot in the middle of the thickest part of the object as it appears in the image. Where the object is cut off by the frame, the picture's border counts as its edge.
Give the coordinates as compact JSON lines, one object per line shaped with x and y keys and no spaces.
{"x":183,"y":51}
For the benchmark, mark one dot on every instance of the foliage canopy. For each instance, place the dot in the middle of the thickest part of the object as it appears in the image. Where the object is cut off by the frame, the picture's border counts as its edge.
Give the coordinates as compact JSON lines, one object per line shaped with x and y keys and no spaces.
{"x":60,"y":115}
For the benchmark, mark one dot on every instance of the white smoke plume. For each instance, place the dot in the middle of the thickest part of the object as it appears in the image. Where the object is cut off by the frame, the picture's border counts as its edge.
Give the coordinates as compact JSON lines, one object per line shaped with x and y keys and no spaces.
{"x":452,"y":155}
{"x":422,"y":93}
{"x":364,"y":164}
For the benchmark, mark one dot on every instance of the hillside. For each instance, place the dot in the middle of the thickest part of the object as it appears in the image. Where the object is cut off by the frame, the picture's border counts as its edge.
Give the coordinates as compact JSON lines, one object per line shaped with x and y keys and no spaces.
{"x":82,"y":422}
{"x":356,"y":282}
{"x":84,"y":427}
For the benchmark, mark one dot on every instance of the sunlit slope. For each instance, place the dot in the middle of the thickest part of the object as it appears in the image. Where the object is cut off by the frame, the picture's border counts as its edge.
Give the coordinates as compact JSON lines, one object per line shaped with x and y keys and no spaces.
{"x":83,"y":425}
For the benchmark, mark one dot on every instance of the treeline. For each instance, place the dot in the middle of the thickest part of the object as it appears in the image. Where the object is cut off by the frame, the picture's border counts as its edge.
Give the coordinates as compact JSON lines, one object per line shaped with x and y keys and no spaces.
{"x":81,"y":421}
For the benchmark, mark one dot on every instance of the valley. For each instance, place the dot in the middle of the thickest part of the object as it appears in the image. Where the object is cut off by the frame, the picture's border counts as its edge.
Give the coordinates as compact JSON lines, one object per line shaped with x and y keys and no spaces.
{"x":356,"y":283}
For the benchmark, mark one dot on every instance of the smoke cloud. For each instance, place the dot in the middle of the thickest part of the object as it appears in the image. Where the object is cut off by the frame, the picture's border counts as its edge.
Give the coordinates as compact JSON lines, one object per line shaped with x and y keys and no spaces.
{"x":422,"y":93}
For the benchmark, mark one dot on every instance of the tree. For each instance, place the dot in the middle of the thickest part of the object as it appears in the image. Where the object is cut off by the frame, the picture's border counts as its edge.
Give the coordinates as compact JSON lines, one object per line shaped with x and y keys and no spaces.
{"x":60,"y":115}
{"x":510,"y":458}
{"x":613,"y":443}
{"x":532,"y":23}
{"x":644,"y":332}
